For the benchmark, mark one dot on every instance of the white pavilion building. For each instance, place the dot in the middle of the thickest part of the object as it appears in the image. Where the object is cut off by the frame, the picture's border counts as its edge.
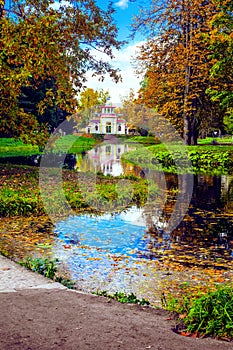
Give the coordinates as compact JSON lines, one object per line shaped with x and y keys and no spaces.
{"x":107,"y":123}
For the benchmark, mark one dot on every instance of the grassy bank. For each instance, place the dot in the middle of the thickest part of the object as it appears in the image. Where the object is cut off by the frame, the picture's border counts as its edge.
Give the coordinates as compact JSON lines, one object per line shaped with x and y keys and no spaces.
{"x":212,"y":160}
{"x":201,"y":312}
{"x":20,"y":192}
{"x":10,"y":147}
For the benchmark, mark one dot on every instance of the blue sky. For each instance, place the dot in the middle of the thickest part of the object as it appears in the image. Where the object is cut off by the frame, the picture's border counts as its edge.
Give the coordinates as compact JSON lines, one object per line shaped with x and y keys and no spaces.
{"x":125,"y":9}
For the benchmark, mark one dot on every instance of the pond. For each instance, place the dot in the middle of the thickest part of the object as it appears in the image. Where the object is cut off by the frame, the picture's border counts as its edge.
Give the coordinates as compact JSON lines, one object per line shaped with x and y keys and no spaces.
{"x":132,"y":250}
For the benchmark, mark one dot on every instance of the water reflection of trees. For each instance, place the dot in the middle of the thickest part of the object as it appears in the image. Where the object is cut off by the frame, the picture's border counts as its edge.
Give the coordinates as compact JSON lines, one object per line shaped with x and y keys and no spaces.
{"x":208,"y":223}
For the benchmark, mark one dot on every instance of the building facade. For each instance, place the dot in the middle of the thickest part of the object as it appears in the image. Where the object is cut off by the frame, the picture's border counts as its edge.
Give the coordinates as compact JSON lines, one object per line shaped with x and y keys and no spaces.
{"x":107,"y":123}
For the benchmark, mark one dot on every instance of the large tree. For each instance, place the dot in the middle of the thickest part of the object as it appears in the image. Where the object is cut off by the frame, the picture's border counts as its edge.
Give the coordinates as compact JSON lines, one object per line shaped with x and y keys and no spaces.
{"x":50,"y":40}
{"x":220,"y":39}
{"x":176,"y":61}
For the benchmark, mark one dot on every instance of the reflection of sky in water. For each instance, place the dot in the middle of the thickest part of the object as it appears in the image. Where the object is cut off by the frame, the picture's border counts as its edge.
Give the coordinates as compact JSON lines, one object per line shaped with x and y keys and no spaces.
{"x":101,"y":252}
{"x":118,"y":234}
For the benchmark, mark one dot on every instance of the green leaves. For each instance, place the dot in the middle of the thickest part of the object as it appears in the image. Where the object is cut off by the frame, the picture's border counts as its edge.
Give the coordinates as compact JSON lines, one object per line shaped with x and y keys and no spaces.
{"x":212,"y":314}
{"x":205,"y":159}
{"x":45,"y":267}
{"x":124,"y":298}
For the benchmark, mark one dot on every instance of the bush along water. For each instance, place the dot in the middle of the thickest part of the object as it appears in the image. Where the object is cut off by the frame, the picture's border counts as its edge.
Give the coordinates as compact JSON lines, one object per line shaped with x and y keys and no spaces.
{"x":204,"y":159}
{"x":44,"y":267}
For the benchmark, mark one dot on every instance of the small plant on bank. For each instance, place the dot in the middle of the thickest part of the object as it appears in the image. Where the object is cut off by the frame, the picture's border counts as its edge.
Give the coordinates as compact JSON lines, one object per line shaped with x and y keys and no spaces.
{"x":123,"y":298}
{"x":66,"y":282}
{"x":47,"y":268}
{"x":209,"y":314}
{"x":212,"y":314}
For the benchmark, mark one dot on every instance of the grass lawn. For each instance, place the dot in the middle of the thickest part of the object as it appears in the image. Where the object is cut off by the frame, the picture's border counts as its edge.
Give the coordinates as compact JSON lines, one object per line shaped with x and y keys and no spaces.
{"x":228,"y":139}
{"x":10,"y":147}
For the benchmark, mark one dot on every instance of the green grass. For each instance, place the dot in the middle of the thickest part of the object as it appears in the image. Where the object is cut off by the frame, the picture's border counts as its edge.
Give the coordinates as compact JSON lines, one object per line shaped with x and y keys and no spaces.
{"x":123,"y":298}
{"x":20,"y":193}
{"x":213,"y":160}
{"x":223,"y":140}
{"x":145,"y":140}
{"x":209,"y":314}
{"x":10,"y":147}
{"x":74,"y":144}
{"x":47,"y":268}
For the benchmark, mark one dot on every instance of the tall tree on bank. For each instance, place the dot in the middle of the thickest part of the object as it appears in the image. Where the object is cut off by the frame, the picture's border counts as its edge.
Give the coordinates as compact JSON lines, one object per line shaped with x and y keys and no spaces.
{"x":177,"y":64}
{"x":50,"y":41}
{"x":220,"y":40}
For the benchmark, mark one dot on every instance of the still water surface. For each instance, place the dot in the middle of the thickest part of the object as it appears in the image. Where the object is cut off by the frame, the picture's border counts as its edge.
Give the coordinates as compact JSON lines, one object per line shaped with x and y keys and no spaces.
{"x":128,"y":251}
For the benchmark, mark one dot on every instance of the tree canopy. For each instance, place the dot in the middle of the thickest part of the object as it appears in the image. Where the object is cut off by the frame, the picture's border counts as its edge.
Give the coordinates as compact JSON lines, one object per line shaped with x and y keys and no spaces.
{"x":220,"y":39}
{"x":50,"y":41}
{"x":178,"y":59}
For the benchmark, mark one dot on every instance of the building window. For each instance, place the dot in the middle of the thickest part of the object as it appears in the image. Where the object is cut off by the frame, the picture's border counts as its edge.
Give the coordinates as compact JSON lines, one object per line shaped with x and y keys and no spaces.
{"x":96,"y":128}
{"x":88,"y":130}
{"x":108,"y":128}
{"x":108,"y":149}
{"x":119,"y":127}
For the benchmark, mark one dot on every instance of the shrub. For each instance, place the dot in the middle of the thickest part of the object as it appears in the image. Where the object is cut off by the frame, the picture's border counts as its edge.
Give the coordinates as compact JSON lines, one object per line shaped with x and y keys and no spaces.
{"x":212,"y":314}
{"x":204,"y":314}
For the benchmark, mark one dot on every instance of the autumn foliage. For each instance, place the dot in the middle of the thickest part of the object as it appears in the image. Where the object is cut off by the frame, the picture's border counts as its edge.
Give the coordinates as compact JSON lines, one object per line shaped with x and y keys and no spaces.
{"x":178,"y":62}
{"x":43,"y":41}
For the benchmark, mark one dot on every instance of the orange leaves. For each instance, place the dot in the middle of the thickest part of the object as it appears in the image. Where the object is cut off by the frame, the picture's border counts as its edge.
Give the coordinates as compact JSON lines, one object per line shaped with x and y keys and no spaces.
{"x":188,"y":334}
{"x":45,"y":44}
{"x":67,"y":246}
{"x":177,"y":65}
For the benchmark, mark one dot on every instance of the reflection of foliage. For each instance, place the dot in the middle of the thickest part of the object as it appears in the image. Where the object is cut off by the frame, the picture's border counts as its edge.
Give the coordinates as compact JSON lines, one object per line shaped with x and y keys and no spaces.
{"x":205,"y":233}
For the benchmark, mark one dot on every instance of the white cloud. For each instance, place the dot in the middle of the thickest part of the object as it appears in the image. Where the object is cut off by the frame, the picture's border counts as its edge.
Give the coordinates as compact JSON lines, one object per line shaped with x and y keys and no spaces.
{"x":56,"y":5}
{"x":129,"y":79}
{"x":123,"y":4}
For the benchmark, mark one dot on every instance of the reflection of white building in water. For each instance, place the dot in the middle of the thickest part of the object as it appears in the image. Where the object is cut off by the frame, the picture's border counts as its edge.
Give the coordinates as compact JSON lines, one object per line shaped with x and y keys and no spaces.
{"x":107,"y":123}
{"x":104,"y":158}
